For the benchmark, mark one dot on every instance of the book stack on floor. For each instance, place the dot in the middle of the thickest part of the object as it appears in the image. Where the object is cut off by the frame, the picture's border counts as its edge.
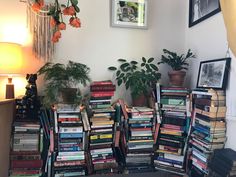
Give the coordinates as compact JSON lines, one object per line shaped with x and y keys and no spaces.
{"x":209,"y":128}
{"x":102,"y":128}
{"x":69,"y":157}
{"x":223,"y":163}
{"x":171,"y":146}
{"x":26,"y":145}
{"x":25,"y":156}
{"x":139,"y":140}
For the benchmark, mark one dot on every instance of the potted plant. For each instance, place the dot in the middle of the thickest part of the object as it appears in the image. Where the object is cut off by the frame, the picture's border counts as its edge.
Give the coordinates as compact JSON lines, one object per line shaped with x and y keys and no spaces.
{"x":178,"y":63}
{"x":61,"y":82}
{"x":139,"y":78}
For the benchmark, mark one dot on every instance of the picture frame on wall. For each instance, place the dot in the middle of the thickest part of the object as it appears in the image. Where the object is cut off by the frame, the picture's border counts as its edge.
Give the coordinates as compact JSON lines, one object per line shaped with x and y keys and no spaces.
{"x":200,"y":10}
{"x":213,"y":73}
{"x":129,"y":13}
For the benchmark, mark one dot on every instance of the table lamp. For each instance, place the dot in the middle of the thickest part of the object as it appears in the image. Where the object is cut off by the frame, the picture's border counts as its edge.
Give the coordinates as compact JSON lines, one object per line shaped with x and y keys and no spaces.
{"x":10,"y":64}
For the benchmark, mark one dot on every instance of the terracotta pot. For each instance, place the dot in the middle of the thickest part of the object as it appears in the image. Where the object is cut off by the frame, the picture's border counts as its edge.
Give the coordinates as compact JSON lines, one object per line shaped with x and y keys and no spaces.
{"x":176,"y":78}
{"x":68,"y":95}
{"x":139,"y":100}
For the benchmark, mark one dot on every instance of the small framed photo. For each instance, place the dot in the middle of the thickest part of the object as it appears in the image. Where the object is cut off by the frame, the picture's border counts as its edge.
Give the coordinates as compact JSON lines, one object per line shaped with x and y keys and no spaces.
{"x":200,"y":10}
{"x":129,"y":13}
{"x":213,"y":73}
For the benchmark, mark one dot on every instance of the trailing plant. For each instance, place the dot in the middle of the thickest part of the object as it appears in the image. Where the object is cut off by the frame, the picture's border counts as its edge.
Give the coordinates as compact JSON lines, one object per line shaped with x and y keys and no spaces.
{"x":139,"y":77}
{"x":59,"y":76}
{"x":175,"y":61}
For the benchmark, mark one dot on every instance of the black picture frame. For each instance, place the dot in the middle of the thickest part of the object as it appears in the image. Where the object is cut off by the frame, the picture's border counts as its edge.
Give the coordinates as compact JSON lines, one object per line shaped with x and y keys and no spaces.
{"x":213,"y":73}
{"x":200,"y":10}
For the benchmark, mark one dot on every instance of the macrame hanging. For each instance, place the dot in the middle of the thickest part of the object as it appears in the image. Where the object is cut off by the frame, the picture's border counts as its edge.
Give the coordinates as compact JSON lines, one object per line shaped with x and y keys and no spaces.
{"x":39,"y":25}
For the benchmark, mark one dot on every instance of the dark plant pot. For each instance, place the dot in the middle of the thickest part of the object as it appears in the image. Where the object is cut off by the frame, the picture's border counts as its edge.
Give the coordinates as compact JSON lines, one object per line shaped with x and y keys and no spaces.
{"x":68,"y":95}
{"x":176,"y":78}
{"x":140,"y":100}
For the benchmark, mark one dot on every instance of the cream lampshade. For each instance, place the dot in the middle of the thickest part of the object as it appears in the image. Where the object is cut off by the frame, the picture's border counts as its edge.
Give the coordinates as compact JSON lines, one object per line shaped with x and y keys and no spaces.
{"x":10,"y":64}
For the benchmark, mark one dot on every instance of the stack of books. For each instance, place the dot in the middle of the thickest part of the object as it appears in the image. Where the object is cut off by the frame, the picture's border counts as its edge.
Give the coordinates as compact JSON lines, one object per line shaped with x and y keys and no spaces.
{"x":25,"y":155}
{"x":223,"y":163}
{"x":102,"y":128}
{"x":69,"y":142}
{"x":209,"y":128}
{"x":172,"y":142}
{"x":140,"y":139}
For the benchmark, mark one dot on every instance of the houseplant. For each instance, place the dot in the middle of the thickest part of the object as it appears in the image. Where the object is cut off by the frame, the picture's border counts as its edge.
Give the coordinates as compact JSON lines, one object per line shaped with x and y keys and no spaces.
{"x":140,"y":78}
{"x":178,"y":63}
{"x":61,"y":82}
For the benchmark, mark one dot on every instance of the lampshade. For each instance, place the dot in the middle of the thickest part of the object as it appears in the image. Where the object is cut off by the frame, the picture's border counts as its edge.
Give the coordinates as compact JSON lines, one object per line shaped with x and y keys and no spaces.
{"x":10,"y":58}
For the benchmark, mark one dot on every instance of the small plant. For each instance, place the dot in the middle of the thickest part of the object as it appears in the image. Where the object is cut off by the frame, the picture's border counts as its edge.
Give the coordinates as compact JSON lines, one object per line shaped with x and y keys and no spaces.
{"x":140,"y":78}
{"x":175,"y":61}
{"x":59,"y":77}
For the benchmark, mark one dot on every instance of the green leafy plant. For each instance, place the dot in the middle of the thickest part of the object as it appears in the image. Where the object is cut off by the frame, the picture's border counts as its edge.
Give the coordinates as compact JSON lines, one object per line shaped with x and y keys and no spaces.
{"x":140,"y":78}
{"x":58,"y":76}
{"x":175,"y":61}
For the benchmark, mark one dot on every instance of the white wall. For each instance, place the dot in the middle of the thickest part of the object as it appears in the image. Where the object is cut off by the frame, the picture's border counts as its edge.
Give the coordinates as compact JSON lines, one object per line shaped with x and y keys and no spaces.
{"x":99,"y":45}
{"x":209,"y":41}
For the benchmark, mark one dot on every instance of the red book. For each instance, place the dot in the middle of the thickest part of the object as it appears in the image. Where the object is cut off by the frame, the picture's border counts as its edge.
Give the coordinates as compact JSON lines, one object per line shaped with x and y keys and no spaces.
{"x":108,"y":82}
{"x":24,"y":172}
{"x":102,"y":94}
{"x":94,"y":88}
{"x":26,"y":163}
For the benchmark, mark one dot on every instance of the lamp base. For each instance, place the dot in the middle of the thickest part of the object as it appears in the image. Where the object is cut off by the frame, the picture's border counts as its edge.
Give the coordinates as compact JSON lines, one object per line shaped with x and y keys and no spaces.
{"x":10,"y":91}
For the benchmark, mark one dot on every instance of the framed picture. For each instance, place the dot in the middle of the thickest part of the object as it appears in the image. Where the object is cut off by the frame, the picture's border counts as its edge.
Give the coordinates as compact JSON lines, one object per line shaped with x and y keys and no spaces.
{"x":129,"y":13}
{"x":200,"y":10}
{"x":213,"y":73}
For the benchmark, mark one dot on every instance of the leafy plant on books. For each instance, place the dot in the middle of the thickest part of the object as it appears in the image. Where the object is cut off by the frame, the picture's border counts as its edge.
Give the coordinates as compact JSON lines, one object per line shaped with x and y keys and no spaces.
{"x":178,"y":63}
{"x":140,"y":78}
{"x":62,"y":81}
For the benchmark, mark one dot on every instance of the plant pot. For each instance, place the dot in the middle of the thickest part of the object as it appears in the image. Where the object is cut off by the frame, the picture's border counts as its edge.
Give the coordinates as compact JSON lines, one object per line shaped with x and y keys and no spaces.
{"x":140,"y":100}
{"x":176,"y":78}
{"x":68,"y":95}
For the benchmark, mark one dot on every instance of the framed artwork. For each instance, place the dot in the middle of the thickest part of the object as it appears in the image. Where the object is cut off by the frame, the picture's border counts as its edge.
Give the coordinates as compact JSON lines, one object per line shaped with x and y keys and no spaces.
{"x":129,"y":13}
{"x":213,"y":73}
{"x":200,"y":10}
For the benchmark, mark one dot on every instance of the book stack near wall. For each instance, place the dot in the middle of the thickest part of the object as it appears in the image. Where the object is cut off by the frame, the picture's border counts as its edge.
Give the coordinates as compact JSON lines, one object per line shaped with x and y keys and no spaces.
{"x":102,"y":128}
{"x":209,"y":128}
{"x":171,"y":146}
{"x":223,"y":163}
{"x":26,"y":147}
{"x":139,"y":140}
{"x":69,"y":157}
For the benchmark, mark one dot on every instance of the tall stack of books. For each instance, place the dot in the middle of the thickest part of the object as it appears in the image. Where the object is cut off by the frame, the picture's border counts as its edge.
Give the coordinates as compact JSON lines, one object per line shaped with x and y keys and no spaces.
{"x":209,"y":128}
{"x":69,"y":142}
{"x":102,"y":128}
{"x":26,"y":146}
{"x":223,"y":163}
{"x":172,"y":142}
{"x":139,"y":139}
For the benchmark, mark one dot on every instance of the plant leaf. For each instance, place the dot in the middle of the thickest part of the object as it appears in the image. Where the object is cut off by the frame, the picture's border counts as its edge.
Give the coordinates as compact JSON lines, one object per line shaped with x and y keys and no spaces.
{"x":122,"y":60}
{"x":144,"y":60}
{"x":154,"y":67}
{"x":150,"y":60}
{"x":74,"y":2}
{"x":112,"y":68}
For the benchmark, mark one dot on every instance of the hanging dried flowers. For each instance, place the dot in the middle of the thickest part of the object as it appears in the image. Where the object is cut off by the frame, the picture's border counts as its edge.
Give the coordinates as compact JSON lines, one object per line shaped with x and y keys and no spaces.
{"x":56,"y":11}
